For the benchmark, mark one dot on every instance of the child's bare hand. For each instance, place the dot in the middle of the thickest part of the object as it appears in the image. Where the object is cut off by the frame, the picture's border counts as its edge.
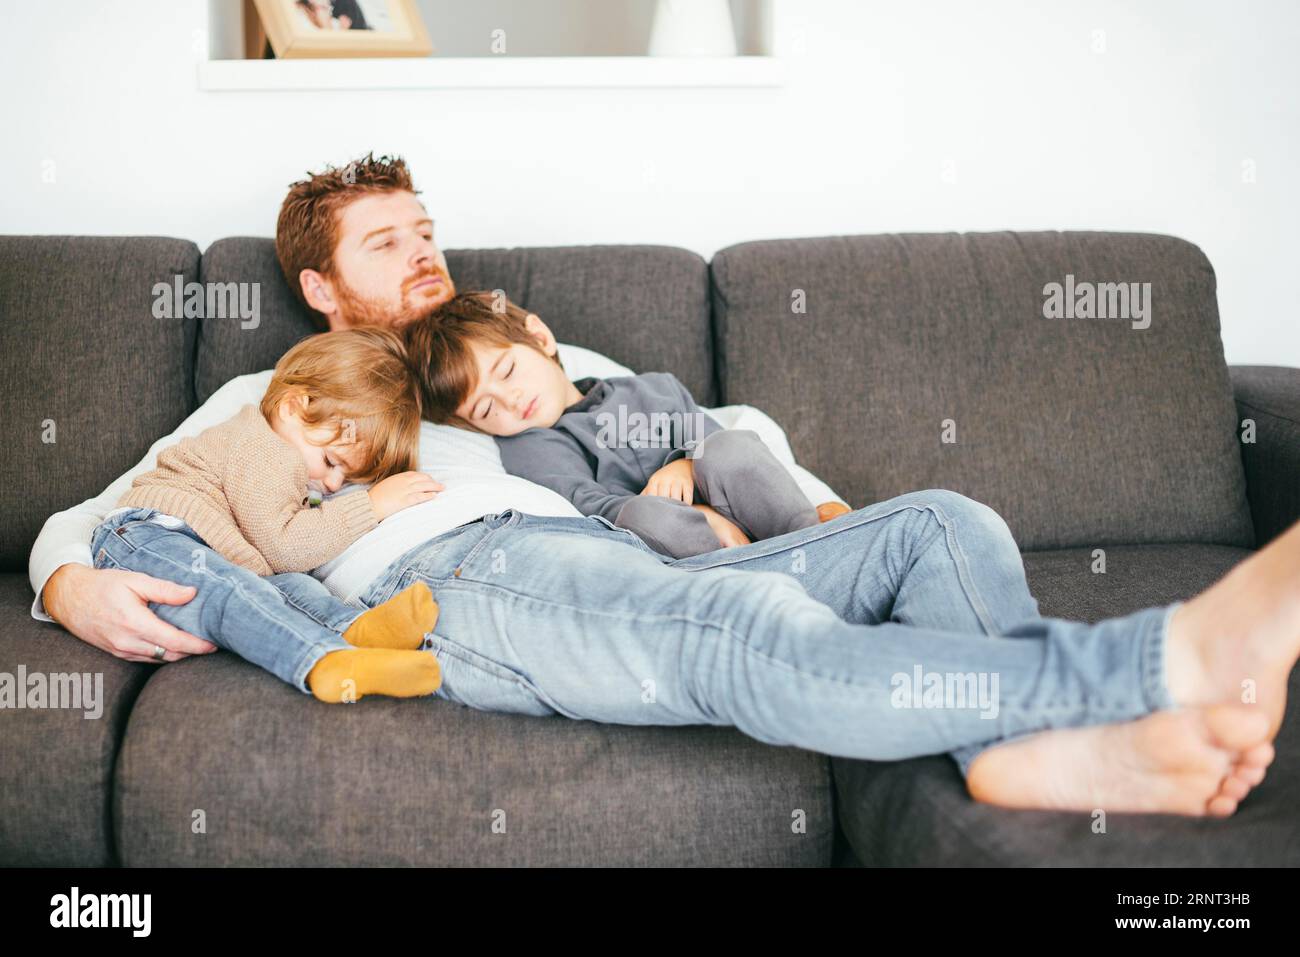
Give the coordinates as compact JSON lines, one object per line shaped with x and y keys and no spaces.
{"x":728,"y":532}
{"x":402,"y":491}
{"x":674,"y":480}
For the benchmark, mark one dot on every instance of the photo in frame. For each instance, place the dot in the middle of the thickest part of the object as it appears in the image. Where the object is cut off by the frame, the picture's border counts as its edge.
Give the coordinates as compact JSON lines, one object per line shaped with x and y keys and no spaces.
{"x":297,"y":29}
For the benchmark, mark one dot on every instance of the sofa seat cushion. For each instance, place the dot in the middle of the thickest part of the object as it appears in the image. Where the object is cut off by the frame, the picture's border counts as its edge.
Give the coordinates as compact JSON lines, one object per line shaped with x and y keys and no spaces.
{"x":917,"y":812}
{"x":280,"y":778}
{"x":56,"y":764}
{"x":1135,"y":577}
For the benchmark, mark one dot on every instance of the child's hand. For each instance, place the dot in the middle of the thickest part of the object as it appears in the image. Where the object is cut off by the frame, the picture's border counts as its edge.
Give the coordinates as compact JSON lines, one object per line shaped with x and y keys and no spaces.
{"x":729,"y":534}
{"x":674,"y":480}
{"x":402,"y":491}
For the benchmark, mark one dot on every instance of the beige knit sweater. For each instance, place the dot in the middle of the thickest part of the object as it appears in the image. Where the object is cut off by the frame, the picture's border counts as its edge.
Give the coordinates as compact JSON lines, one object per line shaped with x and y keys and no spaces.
{"x":244,"y":490}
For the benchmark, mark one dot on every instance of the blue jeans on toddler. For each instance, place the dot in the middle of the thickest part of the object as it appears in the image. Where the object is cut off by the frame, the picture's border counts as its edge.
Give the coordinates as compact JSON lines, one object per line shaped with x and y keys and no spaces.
{"x":284,"y":623}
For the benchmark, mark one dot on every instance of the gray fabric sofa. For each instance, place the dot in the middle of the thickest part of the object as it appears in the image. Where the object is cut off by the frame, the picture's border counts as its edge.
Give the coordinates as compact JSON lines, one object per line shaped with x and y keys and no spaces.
{"x":1084,"y":434}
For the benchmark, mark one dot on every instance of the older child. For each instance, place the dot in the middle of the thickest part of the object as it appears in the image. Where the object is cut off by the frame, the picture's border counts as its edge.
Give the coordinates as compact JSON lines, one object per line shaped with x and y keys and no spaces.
{"x":635,"y":450}
{"x":229,"y":511}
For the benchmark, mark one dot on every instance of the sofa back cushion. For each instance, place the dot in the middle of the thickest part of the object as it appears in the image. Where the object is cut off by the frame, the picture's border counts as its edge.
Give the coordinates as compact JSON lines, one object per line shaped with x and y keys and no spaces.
{"x":644,"y":306}
{"x":91,"y":376}
{"x":922,"y":361}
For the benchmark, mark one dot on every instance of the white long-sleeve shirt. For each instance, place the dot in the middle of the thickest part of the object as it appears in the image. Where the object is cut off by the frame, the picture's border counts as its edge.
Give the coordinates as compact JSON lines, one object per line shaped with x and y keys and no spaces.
{"x":467,"y":463}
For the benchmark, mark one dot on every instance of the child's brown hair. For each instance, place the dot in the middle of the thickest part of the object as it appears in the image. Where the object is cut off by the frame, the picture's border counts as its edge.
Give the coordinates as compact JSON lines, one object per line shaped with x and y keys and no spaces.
{"x":439,"y":347}
{"x":360,"y":382}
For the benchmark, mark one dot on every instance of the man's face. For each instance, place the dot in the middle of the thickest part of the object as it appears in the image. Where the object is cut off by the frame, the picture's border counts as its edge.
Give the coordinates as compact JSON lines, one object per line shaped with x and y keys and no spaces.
{"x":387,"y":268}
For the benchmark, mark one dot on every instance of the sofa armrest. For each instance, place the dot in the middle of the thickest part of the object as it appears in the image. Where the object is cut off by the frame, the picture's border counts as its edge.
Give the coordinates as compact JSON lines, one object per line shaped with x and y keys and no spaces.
{"x":1270,"y":397}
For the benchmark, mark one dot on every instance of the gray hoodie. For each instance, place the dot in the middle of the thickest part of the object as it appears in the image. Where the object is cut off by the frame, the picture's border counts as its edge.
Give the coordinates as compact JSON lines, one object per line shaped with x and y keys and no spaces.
{"x":606,"y":446}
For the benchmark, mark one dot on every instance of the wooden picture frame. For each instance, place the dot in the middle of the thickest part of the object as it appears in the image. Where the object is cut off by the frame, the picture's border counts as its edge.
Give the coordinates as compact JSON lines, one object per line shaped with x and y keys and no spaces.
{"x":307,"y":28}
{"x":255,"y":42}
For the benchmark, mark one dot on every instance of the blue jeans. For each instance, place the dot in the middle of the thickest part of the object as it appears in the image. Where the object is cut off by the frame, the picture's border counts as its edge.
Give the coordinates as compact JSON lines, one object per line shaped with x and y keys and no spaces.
{"x":898,"y":630}
{"x":284,"y":623}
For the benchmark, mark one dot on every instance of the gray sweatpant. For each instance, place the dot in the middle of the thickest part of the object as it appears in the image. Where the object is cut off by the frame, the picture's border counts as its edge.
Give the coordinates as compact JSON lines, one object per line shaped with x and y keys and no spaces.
{"x":741,"y":479}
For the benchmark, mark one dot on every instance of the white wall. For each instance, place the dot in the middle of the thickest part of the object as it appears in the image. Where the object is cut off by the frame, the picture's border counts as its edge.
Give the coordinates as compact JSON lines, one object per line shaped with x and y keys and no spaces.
{"x":885,"y":104}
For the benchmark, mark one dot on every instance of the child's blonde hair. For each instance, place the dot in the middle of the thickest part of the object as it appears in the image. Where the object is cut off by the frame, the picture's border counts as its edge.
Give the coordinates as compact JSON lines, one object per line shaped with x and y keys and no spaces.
{"x":360,"y":382}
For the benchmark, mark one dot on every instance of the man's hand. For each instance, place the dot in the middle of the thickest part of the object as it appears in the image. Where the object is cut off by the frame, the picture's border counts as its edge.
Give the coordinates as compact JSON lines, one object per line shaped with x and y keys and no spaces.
{"x":109,"y":608}
{"x":828,"y":510}
{"x":729,"y":534}
{"x":674,"y":480}
{"x":402,"y":491}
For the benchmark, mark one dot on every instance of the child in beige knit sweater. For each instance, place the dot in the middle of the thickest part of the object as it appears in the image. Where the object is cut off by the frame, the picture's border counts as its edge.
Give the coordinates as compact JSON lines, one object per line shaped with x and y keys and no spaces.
{"x":229,"y":512}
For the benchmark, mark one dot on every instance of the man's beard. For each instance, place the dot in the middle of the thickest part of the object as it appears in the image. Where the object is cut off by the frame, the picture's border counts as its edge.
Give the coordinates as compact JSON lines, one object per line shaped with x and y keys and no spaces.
{"x":359,"y":310}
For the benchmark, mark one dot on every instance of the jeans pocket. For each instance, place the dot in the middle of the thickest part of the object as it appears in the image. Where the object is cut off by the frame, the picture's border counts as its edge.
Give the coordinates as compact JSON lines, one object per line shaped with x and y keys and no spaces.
{"x":139,"y":531}
{"x":102,"y":559}
{"x":477,"y":682}
{"x":632,"y":537}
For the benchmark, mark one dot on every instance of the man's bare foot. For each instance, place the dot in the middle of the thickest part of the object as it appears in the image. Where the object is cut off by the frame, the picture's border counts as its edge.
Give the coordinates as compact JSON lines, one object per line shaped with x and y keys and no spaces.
{"x":1253,"y":763}
{"x":1192,"y":761}
{"x":1238,"y":640}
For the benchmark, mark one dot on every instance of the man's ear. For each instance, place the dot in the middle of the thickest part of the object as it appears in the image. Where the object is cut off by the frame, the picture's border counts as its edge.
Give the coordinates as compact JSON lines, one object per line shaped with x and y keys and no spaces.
{"x":319,"y":292}
{"x":540,"y":331}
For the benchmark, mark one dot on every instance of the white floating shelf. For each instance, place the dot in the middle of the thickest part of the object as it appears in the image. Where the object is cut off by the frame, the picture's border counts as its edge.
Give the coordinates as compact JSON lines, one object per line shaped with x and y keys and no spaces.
{"x":430,"y":73}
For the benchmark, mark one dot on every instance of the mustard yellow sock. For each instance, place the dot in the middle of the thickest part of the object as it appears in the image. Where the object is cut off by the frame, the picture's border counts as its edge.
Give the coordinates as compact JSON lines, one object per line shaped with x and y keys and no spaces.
{"x":400,"y":622}
{"x":352,"y":674}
